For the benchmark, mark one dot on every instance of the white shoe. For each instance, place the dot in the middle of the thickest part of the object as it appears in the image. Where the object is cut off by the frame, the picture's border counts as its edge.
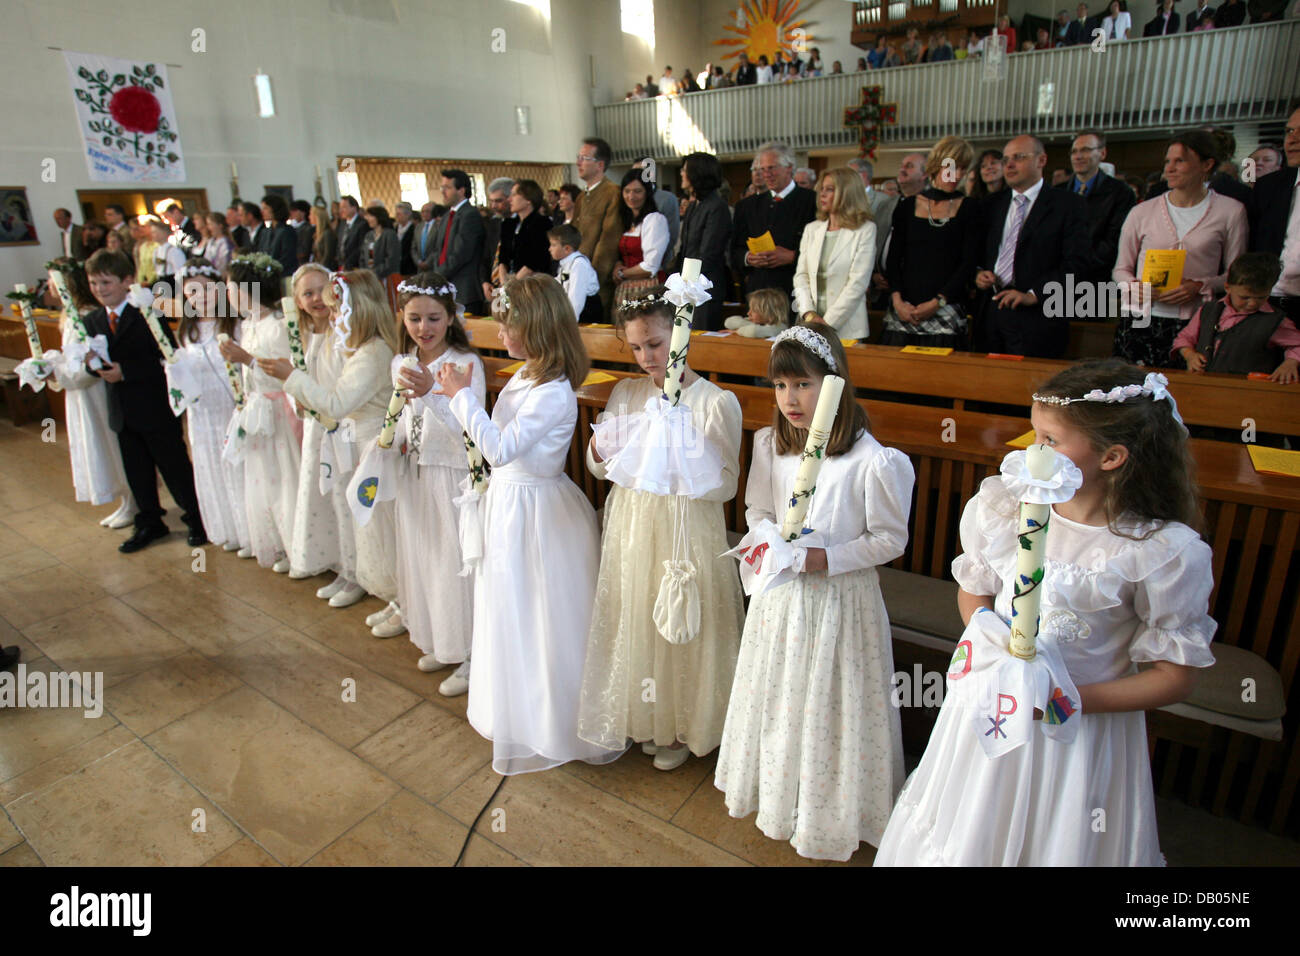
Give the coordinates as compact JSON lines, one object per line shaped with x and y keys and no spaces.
{"x":349,"y":596}
{"x":244,"y":553}
{"x":390,"y":628}
{"x":382,"y":615}
{"x":122,"y":517}
{"x":649,"y":748}
{"x":331,"y":589}
{"x":428,"y":663}
{"x":281,"y":566}
{"x":296,"y":575}
{"x":121,"y":521}
{"x":457,"y":683}
{"x":230,"y":546}
{"x":670,"y":758}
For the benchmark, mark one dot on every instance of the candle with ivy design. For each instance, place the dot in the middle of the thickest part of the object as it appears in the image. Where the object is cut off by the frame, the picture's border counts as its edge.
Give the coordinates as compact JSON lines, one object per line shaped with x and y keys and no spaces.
{"x":1031,"y":533}
{"x":811,"y":458}
{"x":681,"y":337}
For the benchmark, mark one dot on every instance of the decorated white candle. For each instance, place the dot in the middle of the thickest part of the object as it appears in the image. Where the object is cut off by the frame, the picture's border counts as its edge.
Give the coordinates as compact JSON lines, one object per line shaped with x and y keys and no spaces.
{"x":681,"y":338}
{"x":236,"y":382}
{"x":1031,"y":531}
{"x":156,"y":327}
{"x":290,"y":309}
{"x":33,"y":336}
{"x":478,"y":468}
{"x":396,"y":403}
{"x":810,"y":460}
{"x":71,"y":315}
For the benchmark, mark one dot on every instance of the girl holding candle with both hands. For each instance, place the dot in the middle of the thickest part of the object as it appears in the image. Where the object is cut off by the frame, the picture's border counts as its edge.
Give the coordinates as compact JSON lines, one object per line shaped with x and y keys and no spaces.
{"x":1126,"y":581}
{"x":365,"y":337}
{"x":812,"y":740}
{"x":437,"y":602}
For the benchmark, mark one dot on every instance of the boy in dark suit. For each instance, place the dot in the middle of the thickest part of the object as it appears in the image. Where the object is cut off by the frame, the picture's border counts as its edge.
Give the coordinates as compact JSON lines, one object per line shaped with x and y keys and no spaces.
{"x":148,"y":434}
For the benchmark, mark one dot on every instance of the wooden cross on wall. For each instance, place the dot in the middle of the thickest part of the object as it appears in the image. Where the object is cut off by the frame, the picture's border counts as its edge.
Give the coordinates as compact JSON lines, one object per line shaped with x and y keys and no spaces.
{"x":868,"y":117}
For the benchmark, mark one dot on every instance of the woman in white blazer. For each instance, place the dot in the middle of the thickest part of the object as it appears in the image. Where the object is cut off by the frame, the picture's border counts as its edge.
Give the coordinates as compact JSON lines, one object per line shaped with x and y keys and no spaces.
{"x":836,"y":254}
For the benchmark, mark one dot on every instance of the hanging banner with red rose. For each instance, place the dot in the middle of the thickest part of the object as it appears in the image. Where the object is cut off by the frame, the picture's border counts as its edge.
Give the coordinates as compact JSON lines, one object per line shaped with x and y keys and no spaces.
{"x":128,"y":123}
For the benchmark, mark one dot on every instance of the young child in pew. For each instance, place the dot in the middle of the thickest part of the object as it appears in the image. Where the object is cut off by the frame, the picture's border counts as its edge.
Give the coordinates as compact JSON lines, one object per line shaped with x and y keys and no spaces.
{"x":769,"y":315}
{"x":314,"y":547}
{"x":93,"y":452}
{"x":365,"y":336}
{"x":272,"y":435}
{"x":576,"y":273}
{"x":437,"y":602}
{"x":1126,"y":582}
{"x":218,"y":483}
{"x":691,"y":680}
{"x":541,"y":549}
{"x":1241,"y":332}
{"x":812,"y":740}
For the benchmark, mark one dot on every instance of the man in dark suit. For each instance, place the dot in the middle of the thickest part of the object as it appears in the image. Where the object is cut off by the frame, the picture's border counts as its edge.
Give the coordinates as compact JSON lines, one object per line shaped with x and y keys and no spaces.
{"x":281,"y":243}
{"x":352,"y":233}
{"x":148,"y":434}
{"x":422,"y":238}
{"x":115,"y":217}
{"x":457,"y":250}
{"x":235,"y":223}
{"x":1080,"y":29}
{"x":259,"y":234}
{"x":70,"y":235}
{"x":499,"y":204}
{"x":404,"y":223}
{"x":746,"y":73}
{"x":1035,"y":237}
{"x":305,"y":232}
{"x":1194,"y":16}
{"x":184,"y":233}
{"x":1108,"y":201}
{"x":783,"y":209}
{"x":1165,"y":22}
{"x":1275,"y":219}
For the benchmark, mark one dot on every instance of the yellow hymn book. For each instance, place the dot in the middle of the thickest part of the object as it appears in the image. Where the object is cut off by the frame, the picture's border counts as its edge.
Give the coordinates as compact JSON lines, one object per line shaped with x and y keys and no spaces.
{"x":1163,"y":268}
{"x":763,"y":243}
{"x":925,"y":350}
{"x":1275,"y":461}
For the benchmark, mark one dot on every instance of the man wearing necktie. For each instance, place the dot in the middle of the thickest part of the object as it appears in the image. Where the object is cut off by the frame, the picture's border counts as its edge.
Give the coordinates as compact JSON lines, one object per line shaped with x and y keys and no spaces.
{"x":783,"y":209}
{"x":1108,"y":202}
{"x":424,"y":237}
{"x":455,"y":245}
{"x":1035,"y":237}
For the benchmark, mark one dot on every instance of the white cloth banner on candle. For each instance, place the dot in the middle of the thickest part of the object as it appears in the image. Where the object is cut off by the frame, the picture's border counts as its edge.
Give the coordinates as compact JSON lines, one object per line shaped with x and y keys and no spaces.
{"x":336,"y":459}
{"x":658,"y":450}
{"x":375,"y":480}
{"x":1001,"y":692}
{"x":127,"y":119}
{"x":469,"y":526}
{"x":75,"y":353}
{"x":33,"y":372}
{"x":184,"y":381}
{"x":234,"y":445}
{"x":767,"y":560}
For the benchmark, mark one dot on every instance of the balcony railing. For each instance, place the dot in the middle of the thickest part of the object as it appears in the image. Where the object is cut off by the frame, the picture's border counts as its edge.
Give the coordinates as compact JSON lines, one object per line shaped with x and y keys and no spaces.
{"x":1239,"y":75}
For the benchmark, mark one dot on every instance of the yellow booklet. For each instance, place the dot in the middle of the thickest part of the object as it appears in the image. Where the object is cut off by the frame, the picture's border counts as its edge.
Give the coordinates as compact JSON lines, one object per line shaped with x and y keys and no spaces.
{"x":593,"y":378}
{"x":761,"y":243}
{"x":1024,"y":441}
{"x":1163,"y":268}
{"x":1275,"y":461}
{"x":925,"y":350}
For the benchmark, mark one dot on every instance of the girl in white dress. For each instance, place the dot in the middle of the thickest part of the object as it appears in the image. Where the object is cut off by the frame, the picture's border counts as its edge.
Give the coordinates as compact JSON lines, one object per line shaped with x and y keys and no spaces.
{"x":437,"y":602}
{"x":812,"y":741}
{"x":272,"y":453}
{"x":624,"y":646}
{"x":1126,"y":580}
{"x":534,"y":589}
{"x":314,"y":548}
{"x":96,"y":459}
{"x":365,"y":336}
{"x":218,"y":484}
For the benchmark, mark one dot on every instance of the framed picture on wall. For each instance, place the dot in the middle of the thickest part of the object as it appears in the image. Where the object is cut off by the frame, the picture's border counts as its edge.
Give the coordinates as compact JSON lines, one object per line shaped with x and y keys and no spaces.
{"x":16,"y":225}
{"x":284,"y":192}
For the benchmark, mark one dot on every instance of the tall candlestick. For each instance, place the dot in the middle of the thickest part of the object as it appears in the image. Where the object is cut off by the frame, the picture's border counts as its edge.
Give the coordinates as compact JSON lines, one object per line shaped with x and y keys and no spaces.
{"x":1032,"y":533}
{"x":232,"y":373}
{"x":681,"y":338}
{"x":810,"y":460}
{"x":234,"y":170}
{"x":396,"y":403}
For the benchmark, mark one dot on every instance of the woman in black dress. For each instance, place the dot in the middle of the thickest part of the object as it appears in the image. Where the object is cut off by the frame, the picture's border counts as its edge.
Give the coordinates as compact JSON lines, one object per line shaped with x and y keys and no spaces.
{"x":706,"y":233}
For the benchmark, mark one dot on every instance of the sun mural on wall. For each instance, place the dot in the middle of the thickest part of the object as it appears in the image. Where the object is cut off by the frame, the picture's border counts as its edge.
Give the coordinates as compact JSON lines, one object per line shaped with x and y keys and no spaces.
{"x":761,"y":27}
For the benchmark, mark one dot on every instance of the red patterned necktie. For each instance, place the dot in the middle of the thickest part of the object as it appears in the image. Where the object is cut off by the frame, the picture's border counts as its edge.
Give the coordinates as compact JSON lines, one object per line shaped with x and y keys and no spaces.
{"x":446,"y":238}
{"x":112,"y":322}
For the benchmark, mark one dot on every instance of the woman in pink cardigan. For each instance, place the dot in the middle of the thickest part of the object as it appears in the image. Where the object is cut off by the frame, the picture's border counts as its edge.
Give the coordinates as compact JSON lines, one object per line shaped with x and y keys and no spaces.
{"x":1211,"y":228}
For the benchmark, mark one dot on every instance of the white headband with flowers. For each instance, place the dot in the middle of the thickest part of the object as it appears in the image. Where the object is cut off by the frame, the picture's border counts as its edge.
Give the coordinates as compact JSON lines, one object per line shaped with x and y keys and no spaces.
{"x":811,"y":341}
{"x":1155,"y":385}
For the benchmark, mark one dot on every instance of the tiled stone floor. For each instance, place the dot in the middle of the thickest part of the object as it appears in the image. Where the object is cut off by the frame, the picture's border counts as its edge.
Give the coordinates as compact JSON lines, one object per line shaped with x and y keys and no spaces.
{"x":224,"y":705}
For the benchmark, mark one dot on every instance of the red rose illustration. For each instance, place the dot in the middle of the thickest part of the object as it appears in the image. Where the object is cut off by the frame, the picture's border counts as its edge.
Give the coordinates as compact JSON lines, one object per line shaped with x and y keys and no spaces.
{"x":136,"y":109}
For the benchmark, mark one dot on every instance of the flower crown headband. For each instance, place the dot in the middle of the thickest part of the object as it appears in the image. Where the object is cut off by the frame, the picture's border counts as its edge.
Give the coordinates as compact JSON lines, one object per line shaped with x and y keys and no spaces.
{"x":203,"y":269}
{"x":811,"y":341}
{"x":414,"y":289}
{"x":260,"y":262}
{"x":1154,"y":385}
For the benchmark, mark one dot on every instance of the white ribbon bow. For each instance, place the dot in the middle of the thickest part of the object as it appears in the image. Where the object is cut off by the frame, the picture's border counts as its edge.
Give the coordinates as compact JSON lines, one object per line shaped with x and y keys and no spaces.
{"x":1158,"y":386}
{"x":692,"y":292}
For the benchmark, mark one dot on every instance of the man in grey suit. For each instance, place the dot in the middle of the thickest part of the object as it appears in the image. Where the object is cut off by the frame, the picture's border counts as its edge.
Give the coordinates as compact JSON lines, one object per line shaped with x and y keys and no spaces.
{"x":422,"y":246}
{"x":70,"y":241}
{"x":458,"y":239}
{"x":499,"y":201}
{"x":304,"y":231}
{"x":352,"y":233}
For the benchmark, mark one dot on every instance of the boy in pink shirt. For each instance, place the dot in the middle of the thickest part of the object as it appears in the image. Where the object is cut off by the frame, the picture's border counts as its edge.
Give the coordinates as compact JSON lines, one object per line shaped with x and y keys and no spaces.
{"x":1241,"y":333}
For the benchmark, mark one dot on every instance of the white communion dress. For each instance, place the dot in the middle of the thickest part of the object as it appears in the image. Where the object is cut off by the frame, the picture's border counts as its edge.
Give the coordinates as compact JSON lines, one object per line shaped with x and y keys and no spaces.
{"x":315,"y":544}
{"x":93,"y":451}
{"x":272,"y":452}
{"x":533,"y":591}
{"x":1108,"y":603}
{"x":218,"y":484}
{"x":357,"y":399}
{"x":812,"y":740}
{"x":690,"y":683}
{"x":437,"y":602}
